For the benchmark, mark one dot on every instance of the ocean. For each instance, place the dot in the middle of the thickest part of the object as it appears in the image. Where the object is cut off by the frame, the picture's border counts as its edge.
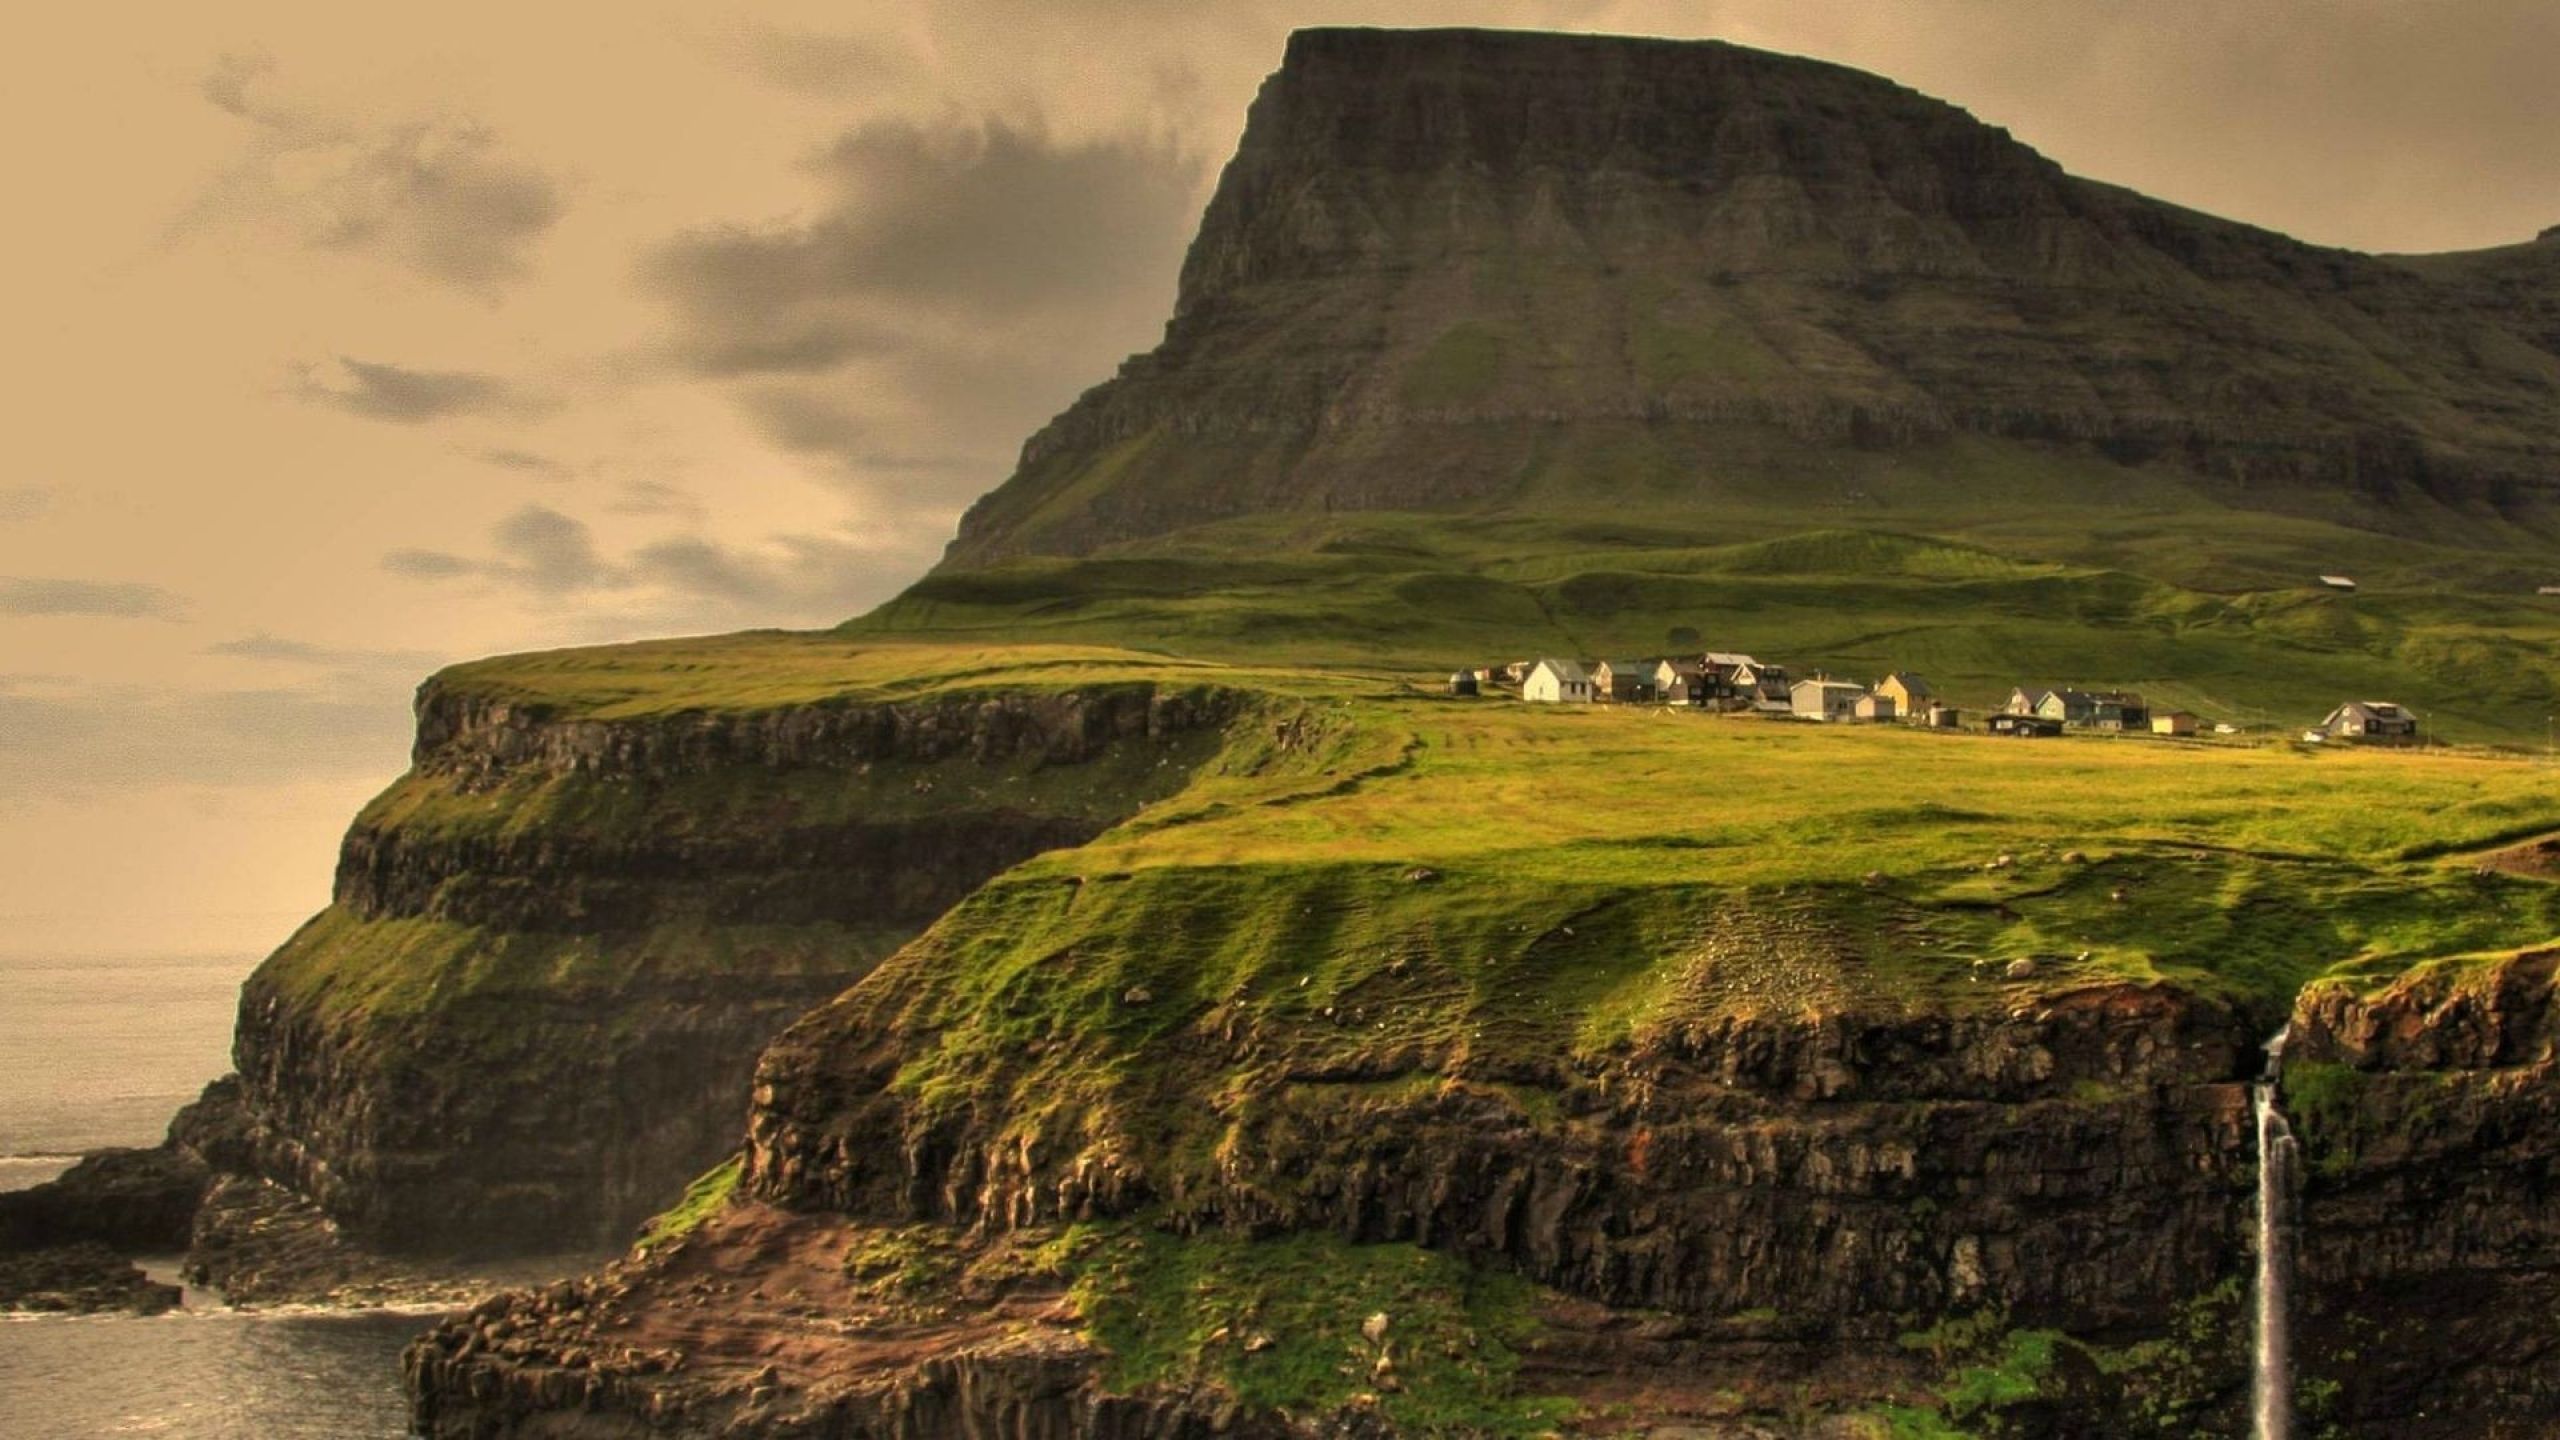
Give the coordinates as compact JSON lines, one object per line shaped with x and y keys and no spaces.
{"x":100,"y":1052}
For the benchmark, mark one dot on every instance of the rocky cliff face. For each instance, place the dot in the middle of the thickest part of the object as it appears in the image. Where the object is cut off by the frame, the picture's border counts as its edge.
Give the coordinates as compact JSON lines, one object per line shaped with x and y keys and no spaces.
{"x":558,"y":944}
{"x":1856,"y":1167}
{"x":1770,"y":1209}
{"x":1733,"y":1225}
{"x":1451,"y":269}
{"x":2430,"y":1250}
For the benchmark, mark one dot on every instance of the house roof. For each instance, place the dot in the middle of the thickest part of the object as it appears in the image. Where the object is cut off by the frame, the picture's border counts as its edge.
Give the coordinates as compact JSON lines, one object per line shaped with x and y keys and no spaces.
{"x":1851,"y":685}
{"x":1682,"y":667}
{"x":2070,"y":696}
{"x":1569,"y":671}
{"x":2367,"y":710}
{"x":1908,"y":681}
{"x":1730,"y":659}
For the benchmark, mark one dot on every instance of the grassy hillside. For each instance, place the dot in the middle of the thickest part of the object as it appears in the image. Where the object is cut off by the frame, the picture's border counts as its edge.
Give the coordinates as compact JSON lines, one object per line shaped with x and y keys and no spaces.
{"x":1375,"y":900}
{"x":1549,"y":882}
{"x":2249,"y":867}
{"x":2200,"y":606}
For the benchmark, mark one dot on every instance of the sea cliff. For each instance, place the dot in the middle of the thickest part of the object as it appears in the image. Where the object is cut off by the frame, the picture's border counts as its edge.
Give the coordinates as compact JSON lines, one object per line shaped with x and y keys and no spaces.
{"x":559,"y":942}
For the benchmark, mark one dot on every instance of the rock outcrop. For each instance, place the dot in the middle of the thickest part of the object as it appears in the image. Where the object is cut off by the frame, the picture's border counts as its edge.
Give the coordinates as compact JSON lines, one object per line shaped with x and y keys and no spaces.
{"x":1733,"y":1228}
{"x":558,"y":944}
{"x":2430,"y":1249}
{"x":1862,"y":1167}
{"x":1468,"y":269}
{"x":69,"y":1244}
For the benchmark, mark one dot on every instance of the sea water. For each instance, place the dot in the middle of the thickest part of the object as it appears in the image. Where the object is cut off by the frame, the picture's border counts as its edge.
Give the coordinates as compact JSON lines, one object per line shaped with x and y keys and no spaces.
{"x":99,"y":1052}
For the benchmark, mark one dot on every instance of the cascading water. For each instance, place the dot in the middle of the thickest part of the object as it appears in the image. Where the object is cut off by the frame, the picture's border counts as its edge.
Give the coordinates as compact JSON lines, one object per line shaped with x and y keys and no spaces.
{"x":2271,"y":1373}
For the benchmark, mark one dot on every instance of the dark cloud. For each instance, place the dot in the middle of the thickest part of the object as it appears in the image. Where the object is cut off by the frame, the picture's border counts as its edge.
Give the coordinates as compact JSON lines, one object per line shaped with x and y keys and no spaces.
{"x":829,"y":425}
{"x":538,"y":548}
{"x":547,"y":551}
{"x":24,"y":502}
{"x":953,"y":287}
{"x":434,"y":195}
{"x":991,"y":221}
{"x":379,"y":391}
{"x":810,"y":421}
{"x":116,"y":599}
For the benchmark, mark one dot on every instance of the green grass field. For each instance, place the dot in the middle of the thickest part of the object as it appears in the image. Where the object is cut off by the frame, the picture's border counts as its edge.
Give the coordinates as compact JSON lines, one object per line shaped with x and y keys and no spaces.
{"x":1380,"y":872}
{"x":2200,"y":606}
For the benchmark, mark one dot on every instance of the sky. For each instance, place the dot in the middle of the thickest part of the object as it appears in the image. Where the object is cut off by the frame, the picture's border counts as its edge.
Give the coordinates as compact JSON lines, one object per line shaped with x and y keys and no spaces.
{"x":345,"y":342}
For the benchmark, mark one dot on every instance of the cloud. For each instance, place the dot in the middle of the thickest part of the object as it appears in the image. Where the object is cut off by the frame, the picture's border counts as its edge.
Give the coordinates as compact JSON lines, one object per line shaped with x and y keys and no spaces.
{"x":985,"y":221}
{"x":278,"y":650}
{"x":24,"y":502}
{"x":116,"y":599}
{"x":538,"y":548}
{"x":530,"y":462}
{"x":657,"y":497}
{"x":426,"y":564}
{"x":435,"y":196}
{"x":795,"y":579}
{"x":548,"y":552}
{"x":954,"y":285}
{"x":380,"y":391}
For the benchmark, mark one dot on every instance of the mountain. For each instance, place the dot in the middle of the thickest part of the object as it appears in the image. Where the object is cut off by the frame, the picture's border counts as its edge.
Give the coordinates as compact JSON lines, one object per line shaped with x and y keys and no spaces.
{"x":1214,"y":1032}
{"x":1472,"y":270}
{"x":1493,"y":344}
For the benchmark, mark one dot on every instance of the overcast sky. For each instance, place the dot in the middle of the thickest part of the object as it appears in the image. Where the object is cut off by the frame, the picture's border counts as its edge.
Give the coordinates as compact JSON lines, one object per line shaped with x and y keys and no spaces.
{"x":346,"y":341}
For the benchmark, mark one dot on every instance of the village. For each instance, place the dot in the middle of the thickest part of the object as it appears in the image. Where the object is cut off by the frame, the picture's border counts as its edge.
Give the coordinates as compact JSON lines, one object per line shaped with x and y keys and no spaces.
{"x":1731,"y":682}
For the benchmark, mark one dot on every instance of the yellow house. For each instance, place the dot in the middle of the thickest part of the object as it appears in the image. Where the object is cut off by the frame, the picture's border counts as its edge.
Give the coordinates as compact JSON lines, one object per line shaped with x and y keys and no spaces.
{"x":1909,"y":693}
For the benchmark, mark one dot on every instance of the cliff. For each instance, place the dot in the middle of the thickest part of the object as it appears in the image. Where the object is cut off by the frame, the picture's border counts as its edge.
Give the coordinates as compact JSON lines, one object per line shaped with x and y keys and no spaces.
{"x":1461,"y":271}
{"x":1262,"y":1049}
{"x":2430,"y":1256}
{"x":558,"y":943}
{"x":1655,"y":1121}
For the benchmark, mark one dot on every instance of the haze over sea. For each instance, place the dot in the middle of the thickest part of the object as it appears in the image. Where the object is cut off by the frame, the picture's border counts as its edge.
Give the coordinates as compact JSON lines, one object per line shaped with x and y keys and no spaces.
{"x":100,"y":1051}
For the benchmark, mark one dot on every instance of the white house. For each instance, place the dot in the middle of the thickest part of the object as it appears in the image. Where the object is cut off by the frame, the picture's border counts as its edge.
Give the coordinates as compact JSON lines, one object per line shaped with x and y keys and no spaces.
{"x":1557,"y":682}
{"x":1826,"y":699}
{"x":2372,"y":721}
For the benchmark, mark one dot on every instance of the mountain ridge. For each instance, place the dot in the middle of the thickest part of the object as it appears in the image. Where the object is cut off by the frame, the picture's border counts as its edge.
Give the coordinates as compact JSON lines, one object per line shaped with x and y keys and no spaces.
{"x":1440,"y":258}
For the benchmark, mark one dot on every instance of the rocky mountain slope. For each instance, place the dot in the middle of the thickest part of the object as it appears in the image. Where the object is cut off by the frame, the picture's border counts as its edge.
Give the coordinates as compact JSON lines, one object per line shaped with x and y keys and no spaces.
{"x":1459,"y":270}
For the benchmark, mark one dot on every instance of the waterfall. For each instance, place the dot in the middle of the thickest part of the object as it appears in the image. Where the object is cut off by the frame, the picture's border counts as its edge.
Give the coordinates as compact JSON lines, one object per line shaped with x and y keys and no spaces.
{"x":2271,"y":1372}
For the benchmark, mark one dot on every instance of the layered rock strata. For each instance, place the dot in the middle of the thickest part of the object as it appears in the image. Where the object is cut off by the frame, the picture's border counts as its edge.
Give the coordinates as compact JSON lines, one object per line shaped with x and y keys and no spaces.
{"x":1733,"y":1227}
{"x":2430,"y":1245}
{"x":558,"y":944}
{"x":1465,"y":269}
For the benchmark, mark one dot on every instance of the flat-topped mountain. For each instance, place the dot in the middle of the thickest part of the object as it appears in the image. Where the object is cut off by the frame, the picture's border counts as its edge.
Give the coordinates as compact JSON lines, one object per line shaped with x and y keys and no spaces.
{"x":1468,"y":270}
